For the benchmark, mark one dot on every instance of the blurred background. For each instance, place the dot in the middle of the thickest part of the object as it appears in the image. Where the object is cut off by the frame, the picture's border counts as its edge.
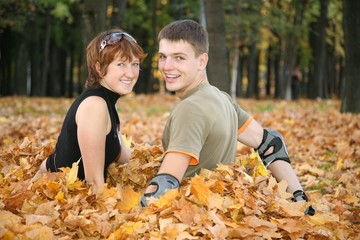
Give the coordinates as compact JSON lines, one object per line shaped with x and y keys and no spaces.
{"x":273,"y":49}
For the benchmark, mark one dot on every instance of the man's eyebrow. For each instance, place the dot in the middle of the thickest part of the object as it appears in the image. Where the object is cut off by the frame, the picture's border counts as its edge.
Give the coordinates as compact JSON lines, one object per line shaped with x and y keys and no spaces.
{"x":176,"y":53}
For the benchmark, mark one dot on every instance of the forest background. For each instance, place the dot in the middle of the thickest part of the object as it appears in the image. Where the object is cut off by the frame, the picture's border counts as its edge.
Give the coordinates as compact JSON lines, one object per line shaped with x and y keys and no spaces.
{"x":254,"y":44}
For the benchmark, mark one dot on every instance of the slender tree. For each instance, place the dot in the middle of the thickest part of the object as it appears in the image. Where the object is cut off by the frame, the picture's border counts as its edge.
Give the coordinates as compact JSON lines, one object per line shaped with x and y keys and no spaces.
{"x":118,"y":13}
{"x":316,"y":80}
{"x":218,"y":67}
{"x":351,"y":97}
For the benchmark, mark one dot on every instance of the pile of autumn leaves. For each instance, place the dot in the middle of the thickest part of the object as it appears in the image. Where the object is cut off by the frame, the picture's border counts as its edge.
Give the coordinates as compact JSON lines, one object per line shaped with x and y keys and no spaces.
{"x":237,"y":201}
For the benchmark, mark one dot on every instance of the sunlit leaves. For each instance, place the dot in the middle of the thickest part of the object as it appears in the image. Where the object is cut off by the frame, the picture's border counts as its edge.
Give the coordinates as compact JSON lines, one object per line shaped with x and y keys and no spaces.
{"x":233,"y":201}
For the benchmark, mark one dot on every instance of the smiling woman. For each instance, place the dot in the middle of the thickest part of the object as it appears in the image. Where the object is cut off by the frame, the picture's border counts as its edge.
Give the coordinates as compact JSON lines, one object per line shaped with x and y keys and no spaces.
{"x":90,"y":132}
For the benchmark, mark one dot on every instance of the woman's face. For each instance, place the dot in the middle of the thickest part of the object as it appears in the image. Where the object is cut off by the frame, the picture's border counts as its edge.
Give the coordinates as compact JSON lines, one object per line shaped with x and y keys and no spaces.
{"x":121,"y":75}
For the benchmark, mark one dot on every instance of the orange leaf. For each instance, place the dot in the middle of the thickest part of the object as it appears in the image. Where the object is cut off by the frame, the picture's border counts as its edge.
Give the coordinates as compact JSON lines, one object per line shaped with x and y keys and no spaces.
{"x":199,"y":189}
{"x":129,"y":200}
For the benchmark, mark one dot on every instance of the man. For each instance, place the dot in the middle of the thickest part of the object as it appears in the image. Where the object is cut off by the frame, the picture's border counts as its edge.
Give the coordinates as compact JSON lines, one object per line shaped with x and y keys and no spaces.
{"x":203,"y":129}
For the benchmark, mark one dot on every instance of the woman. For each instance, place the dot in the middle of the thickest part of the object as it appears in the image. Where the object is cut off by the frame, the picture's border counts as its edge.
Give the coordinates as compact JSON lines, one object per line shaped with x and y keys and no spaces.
{"x":90,"y":132}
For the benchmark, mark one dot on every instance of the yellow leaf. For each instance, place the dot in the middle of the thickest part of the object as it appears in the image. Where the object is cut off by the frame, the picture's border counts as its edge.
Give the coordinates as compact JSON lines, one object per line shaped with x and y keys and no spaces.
{"x":131,"y":227}
{"x":166,"y":199}
{"x":24,"y":163}
{"x":289,"y":121}
{"x":76,"y":184}
{"x":259,"y":168}
{"x":199,"y":189}
{"x":339,"y":164}
{"x":130,"y":199}
{"x":3,"y":119}
{"x":127,"y":141}
{"x":73,"y":173}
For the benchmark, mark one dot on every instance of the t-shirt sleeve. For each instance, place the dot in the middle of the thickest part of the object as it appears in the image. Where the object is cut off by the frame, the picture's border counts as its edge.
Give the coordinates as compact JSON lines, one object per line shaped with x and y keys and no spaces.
{"x":243,"y":117}
{"x":189,"y":128}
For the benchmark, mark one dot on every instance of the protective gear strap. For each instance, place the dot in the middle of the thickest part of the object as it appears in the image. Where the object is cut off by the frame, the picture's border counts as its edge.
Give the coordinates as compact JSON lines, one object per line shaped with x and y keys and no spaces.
{"x":164,"y":183}
{"x":299,"y":195}
{"x":273,"y":139}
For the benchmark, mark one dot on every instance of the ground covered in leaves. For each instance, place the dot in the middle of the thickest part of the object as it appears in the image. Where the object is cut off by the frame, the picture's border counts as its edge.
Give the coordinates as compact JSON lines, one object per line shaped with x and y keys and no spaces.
{"x":237,"y":201}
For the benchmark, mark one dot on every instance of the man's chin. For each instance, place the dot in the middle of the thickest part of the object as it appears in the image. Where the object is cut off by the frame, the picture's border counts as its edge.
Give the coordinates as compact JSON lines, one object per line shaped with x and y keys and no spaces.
{"x":170,"y":87}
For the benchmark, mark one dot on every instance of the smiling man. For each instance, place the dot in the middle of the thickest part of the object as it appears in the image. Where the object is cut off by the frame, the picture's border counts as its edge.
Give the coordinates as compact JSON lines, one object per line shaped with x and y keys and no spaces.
{"x":204,"y":127}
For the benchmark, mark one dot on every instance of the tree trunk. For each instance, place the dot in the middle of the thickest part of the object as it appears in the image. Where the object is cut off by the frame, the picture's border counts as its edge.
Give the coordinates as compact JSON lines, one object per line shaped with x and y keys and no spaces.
{"x":6,"y":61}
{"x":277,"y":71}
{"x":21,"y":73}
{"x":239,"y":85}
{"x":316,"y":84}
{"x":93,"y":22}
{"x":45,"y":66}
{"x":269,"y":68}
{"x":57,"y":70}
{"x":290,"y":52}
{"x":252,"y":71}
{"x":351,"y":20}
{"x":218,"y":66}
{"x":118,"y":13}
{"x":235,"y":67}
{"x":147,"y":83}
{"x":36,"y":54}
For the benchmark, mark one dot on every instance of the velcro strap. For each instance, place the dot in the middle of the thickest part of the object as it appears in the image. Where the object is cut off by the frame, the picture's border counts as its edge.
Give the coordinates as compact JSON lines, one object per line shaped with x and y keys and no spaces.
{"x":272,"y":139}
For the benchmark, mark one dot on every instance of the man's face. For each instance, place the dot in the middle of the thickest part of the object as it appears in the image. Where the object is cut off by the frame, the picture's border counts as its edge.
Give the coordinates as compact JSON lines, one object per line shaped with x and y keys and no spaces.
{"x":179,"y":66}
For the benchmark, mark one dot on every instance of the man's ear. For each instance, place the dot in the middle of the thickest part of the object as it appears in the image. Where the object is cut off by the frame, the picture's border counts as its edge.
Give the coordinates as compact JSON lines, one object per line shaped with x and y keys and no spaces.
{"x":204,"y":58}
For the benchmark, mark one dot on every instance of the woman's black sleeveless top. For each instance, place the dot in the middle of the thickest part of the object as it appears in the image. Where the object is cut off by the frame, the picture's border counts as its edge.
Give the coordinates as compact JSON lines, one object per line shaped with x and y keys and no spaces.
{"x":67,"y":150}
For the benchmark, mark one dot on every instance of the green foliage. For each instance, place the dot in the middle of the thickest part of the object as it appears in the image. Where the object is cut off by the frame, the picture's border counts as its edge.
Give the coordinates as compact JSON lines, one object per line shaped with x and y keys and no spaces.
{"x":61,"y":11}
{"x":14,"y":14}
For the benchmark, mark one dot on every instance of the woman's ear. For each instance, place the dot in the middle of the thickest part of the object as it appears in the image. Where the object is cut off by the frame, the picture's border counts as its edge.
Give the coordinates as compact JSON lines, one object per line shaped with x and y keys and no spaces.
{"x":98,"y":69}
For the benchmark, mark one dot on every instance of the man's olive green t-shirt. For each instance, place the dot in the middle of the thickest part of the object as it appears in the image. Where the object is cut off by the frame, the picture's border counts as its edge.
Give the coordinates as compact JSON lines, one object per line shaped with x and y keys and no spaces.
{"x":204,"y":125}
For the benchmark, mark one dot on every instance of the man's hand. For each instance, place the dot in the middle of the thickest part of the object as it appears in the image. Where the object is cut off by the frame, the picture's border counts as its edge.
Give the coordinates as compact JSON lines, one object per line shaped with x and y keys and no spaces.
{"x":170,"y":174}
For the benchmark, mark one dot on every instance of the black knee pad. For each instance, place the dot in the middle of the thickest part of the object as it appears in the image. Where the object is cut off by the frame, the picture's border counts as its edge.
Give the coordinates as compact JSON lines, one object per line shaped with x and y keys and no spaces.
{"x":164,"y":183}
{"x":273,"y":139}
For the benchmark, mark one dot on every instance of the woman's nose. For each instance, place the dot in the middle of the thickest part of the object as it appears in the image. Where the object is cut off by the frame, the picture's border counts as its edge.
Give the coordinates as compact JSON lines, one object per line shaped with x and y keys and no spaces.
{"x":131,"y":71}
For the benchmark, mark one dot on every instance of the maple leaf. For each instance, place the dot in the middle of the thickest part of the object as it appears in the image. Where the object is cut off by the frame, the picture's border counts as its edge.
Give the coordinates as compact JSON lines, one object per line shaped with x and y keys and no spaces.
{"x":325,"y":157}
{"x":8,"y":218}
{"x":37,"y":231}
{"x":187,"y":212}
{"x":129,"y":200}
{"x":166,"y":199}
{"x":218,"y":230}
{"x":127,"y":140}
{"x":15,"y":203}
{"x":295,"y":228}
{"x":199,"y":189}
{"x":73,"y":173}
{"x":126,"y":229}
